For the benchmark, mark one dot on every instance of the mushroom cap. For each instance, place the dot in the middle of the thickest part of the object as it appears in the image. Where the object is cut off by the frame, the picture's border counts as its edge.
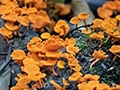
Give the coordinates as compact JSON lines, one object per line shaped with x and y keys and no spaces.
{"x":75,"y":20}
{"x":86,"y":32}
{"x":45,"y":35}
{"x":97,"y":36}
{"x":55,"y":54}
{"x":40,"y":5}
{"x":23,"y":81}
{"x":103,"y":12}
{"x":58,"y":87}
{"x":36,"y":77}
{"x":15,"y":88}
{"x":107,"y":26}
{"x":77,"y":68}
{"x":49,"y":62}
{"x":40,"y":47}
{"x":72,"y":49}
{"x":91,"y":77}
{"x":61,"y":27}
{"x":61,"y":64}
{"x":10,"y":17}
{"x":93,"y":84}
{"x":5,"y":32}
{"x":29,"y":1}
{"x":30,"y":69}
{"x":118,"y":17}
{"x":32,"y":10}
{"x":110,"y":5}
{"x":69,"y":42}
{"x":99,"y":54}
{"x":75,"y":76}
{"x":35,"y":57}
{"x":31,"y":48}
{"x":115,"y":49}
{"x":62,"y":8}
{"x":97,"y":23}
{"x":103,"y":86}
{"x":33,"y":18}
{"x":24,"y":20}
{"x":35,"y":39}
{"x":18,"y":54}
{"x":11,"y":26}
{"x":83,"y":15}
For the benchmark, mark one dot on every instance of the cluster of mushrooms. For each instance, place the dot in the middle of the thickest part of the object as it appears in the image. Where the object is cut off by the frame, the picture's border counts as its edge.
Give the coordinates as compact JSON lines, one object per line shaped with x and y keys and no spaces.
{"x":31,"y":13}
{"x":109,"y":8}
{"x":46,"y":50}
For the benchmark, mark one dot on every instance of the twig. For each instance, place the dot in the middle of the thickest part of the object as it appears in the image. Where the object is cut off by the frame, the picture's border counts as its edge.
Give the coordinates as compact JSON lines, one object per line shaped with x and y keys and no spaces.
{"x":8,"y":59}
{"x":77,"y":29}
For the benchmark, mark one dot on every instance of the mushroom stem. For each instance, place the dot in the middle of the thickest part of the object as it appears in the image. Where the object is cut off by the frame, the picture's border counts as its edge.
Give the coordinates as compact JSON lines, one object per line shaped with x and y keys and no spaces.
{"x":94,"y":29}
{"x":91,"y":59}
{"x":51,"y":68}
{"x":18,"y":31}
{"x":14,"y":32}
{"x":64,"y":87}
{"x":85,"y":24}
{"x":70,"y":69}
{"x":115,"y":56}
{"x":89,"y":38}
{"x":100,"y":43}
{"x":119,"y":27}
{"x":94,"y":62}
{"x":107,"y":38}
{"x":76,"y":26}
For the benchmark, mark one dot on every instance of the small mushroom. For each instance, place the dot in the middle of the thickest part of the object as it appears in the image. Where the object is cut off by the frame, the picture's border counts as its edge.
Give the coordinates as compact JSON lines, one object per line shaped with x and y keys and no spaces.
{"x":77,"y":68}
{"x":75,"y":21}
{"x":75,"y":76}
{"x":97,"y":23}
{"x":87,"y":32}
{"x":84,"y":16}
{"x":65,"y":83}
{"x":103,"y":12}
{"x":103,"y":86}
{"x":72,"y":49}
{"x":45,"y":35}
{"x":115,"y":49}
{"x":98,"y":55}
{"x":60,"y":65}
{"x":98,"y":36}
{"x":58,"y":87}
{"x":35,"y":40}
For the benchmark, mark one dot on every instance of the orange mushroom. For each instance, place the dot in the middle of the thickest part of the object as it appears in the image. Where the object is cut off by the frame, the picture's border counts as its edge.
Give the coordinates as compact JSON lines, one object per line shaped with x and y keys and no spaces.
{"x":75,"y":76}
{"x":90,"y":77}
{"x":58,"y":87}
{"x":84,"y":16}
{"x":98,"y":36}
{"x":72,"y":49}
{"x":103,"y":86}
{"x":50,"y":63}
{"x":77,"y":68}
{"x":6,"y":33}
{"x":60,"y":65}
{"x":75,"y":21}
{"x":40,"y":5}
{"x":115,"y":49}
{"x":18,"y":54}
{"x":65,"y":83}
{"x":103,"y":12}
{"x":108,"y":5}
{"x":97,"y":23}
{"x":35,"y":40}
{"x":45,"y":35}
{"x":62,"y":28}
{"x":62,"y":9}
{"x":98,"y":55}
{"x":87,"y":32}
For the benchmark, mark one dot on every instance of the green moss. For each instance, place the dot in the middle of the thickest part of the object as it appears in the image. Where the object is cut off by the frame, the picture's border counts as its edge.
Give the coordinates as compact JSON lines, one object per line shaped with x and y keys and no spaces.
{"x":92,"y":70}
{"x":82,"y":45}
